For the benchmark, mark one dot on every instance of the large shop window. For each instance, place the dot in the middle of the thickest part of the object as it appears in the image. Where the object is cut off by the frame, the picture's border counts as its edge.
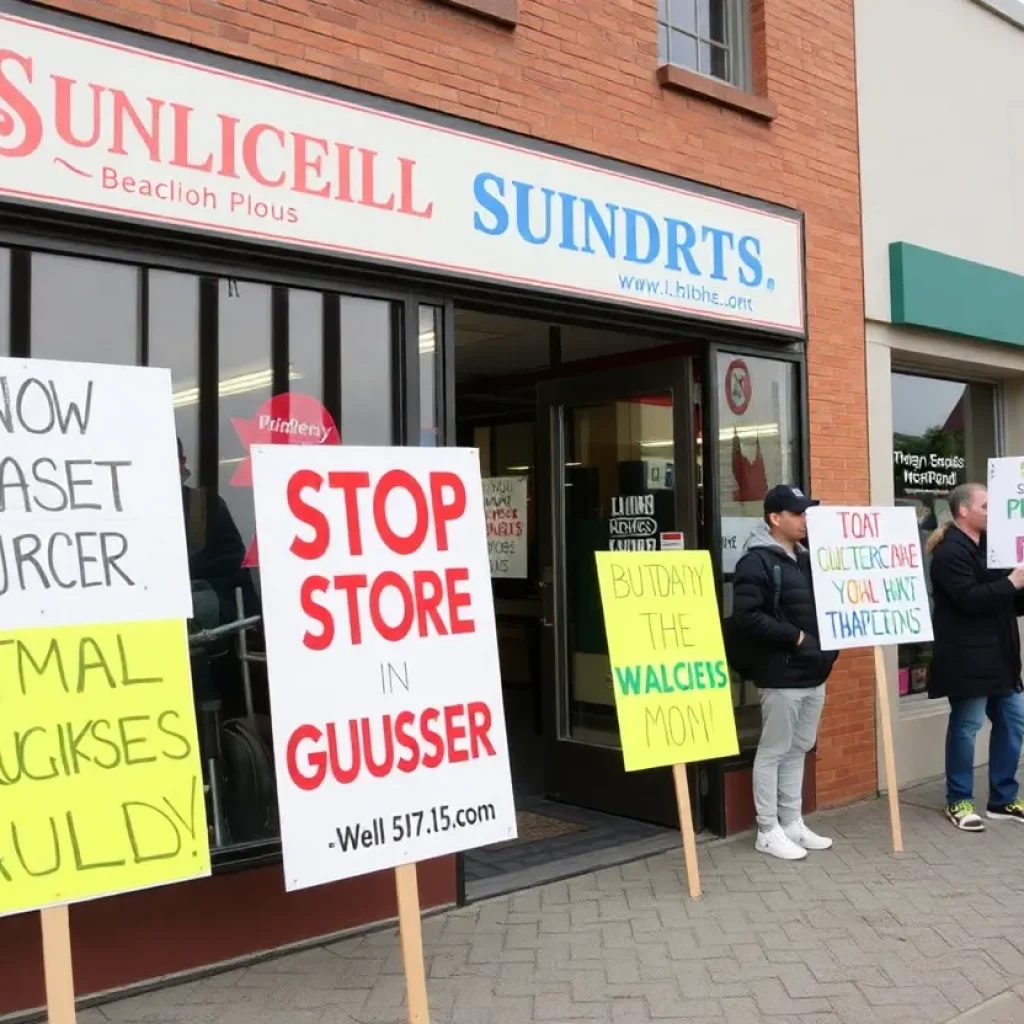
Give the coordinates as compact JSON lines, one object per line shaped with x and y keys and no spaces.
{"x":758,"y":447}
{"x":248,"y":360}
{"x":944,"y":433}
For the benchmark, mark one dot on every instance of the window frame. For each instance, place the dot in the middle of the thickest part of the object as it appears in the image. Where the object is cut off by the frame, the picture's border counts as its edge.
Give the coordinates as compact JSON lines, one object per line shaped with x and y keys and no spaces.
{"x":737,"y":44}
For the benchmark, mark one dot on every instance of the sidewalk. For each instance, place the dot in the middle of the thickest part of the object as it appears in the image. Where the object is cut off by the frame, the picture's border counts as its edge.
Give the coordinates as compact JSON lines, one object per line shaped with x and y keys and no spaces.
{"x":852,"y":936}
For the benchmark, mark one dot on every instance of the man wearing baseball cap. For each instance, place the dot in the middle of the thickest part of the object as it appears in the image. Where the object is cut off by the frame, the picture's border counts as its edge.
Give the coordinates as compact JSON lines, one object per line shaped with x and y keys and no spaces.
{"x":774,"y":633}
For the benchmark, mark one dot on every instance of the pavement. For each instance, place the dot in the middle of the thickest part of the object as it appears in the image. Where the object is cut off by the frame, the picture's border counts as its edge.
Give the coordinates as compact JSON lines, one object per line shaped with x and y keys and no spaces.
{"x":856,"y":935}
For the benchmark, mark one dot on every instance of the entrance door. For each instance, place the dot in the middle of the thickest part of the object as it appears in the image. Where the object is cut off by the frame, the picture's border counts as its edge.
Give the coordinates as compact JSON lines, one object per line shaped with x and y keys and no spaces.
{"x":618,"y":457}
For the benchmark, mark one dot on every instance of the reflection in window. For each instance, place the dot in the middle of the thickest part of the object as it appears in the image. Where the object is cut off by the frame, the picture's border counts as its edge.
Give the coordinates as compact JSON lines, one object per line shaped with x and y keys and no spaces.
{"x":944,"y":433}
{"x":5,"y":302}
{"x":306,"y":342}
{"x":244,"y":384}
{"x":174,"y":344}
{"x":429,"y":335}
{"x":366,"y":398}
{"x":758,"y":447}
{"x":84,"y":310}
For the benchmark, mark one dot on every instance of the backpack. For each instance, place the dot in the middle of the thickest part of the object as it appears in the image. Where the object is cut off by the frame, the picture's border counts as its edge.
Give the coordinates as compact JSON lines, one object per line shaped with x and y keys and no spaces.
{"x":250,"y":790}
{"x":743,"y":656}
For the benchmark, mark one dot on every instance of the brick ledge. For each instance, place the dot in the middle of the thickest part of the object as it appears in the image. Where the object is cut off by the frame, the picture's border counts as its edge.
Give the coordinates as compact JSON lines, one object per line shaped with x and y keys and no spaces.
{"x":680,"y":79}
{"x":504,"y":12}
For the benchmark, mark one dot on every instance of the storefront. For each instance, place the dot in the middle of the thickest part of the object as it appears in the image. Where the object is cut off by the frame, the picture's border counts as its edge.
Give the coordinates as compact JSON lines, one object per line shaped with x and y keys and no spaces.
{"x":307,"y":259}
{"x":944,"y":282}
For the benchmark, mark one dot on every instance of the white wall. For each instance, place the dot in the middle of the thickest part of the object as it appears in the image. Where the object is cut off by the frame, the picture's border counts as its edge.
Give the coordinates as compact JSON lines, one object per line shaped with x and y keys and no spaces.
{"x":941,"y":97}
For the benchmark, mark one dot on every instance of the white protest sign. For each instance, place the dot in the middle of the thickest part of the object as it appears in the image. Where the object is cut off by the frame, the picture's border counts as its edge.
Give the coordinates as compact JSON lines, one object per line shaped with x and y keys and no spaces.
{"x":91,"y":522}
{"x":1005,"y":534}
{"x":869,"y":583}
{"x":389,"y":732}
{"x":505,"y":511}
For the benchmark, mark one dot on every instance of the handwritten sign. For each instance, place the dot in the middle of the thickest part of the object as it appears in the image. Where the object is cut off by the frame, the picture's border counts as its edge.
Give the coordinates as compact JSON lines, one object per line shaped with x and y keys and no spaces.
{"x":505,"y":513}
{"x":99,"y":766}
{"x":1005,"y":513}
{"x":869,"y":584}
{"x":91,"y":524}
{"x":389,"y":732}
{"x":671,"y":682}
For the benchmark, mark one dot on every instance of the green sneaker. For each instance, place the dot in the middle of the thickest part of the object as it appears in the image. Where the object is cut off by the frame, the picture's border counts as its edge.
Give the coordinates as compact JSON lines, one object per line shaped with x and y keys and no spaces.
{"x":965,"y":818}
{"x":1013,"y":811}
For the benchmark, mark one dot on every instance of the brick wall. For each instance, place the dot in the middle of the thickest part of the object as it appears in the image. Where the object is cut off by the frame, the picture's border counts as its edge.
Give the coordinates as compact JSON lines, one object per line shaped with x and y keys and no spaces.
{"x":582,"y":74}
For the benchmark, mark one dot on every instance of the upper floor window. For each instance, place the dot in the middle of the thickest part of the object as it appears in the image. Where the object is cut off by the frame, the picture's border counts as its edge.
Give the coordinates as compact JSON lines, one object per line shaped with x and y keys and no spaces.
{"x":706,"y":36}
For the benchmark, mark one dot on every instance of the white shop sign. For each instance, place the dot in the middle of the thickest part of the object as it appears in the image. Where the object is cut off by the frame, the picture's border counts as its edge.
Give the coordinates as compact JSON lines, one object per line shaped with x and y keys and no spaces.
{"x":389,"y":733}
{"x":105,"y":127}
{"x":505,"y":510}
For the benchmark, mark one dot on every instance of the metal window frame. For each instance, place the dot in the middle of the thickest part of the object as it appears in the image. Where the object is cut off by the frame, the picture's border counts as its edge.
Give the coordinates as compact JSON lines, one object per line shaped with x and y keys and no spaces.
{"x":736,"y":46}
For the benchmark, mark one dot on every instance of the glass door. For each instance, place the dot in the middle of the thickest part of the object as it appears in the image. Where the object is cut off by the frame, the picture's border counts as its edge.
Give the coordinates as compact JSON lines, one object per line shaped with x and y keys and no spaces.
{"x":620,"y":474}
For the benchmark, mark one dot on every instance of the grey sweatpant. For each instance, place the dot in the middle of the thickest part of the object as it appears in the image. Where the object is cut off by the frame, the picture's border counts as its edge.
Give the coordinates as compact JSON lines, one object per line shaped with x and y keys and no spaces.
{"x":789,"y":728}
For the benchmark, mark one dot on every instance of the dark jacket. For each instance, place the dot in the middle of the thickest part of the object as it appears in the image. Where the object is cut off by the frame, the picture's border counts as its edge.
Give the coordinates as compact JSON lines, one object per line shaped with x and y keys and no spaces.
{"x":783,"y":664}
{"x":976,"y":652}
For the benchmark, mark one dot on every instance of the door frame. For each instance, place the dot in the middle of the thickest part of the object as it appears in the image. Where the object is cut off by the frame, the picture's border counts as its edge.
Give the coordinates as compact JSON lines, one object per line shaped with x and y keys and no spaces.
{"x":575,"y":772}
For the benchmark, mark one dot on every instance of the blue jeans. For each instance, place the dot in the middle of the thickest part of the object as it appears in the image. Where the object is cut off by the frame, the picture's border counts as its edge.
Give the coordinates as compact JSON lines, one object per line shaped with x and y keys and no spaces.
{"x":965,"y":719}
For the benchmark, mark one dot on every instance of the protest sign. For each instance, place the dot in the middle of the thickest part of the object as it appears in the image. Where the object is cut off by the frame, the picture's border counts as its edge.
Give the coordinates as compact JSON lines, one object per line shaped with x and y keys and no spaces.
{"x":1005,"y":534}
{"x":505,"y":510}
{"x":672,"y":689}
{"x":869,"y":591}
{"x":99,"y":759}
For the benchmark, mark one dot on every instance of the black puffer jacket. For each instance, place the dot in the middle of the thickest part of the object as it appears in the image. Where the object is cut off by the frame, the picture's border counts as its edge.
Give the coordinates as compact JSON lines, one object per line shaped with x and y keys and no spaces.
{"x":782,"y":664}
{"x":977,"y":647}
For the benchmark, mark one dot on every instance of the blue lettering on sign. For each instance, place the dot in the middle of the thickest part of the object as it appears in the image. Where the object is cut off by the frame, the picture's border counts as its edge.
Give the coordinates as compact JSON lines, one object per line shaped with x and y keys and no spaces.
{"x":540,"y":216}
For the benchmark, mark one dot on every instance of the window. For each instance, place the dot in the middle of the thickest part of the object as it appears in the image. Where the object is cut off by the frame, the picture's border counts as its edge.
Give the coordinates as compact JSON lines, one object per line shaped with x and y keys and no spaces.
{"x":706,"y":36}
{"x":944,"y":433}
{"x":366,"y":396}
{"x":429,"y":335}
{"x":758,"y":447}
{"x":5,"y":301}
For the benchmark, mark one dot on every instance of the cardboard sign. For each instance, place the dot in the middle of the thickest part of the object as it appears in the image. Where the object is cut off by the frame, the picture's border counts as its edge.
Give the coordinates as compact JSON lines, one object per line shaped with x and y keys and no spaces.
{"x":91,"y":523}
{"x":99,"y":763}
{"x":505,"y":509}
{"x":869,"y":584}
{"x":389,"y":732}
{"x":672,"y":690}
{"x":1005,"y":513}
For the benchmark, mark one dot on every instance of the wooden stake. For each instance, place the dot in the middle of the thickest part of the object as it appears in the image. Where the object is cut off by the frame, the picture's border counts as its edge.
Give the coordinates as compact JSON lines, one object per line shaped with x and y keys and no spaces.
{"x":60,"y":979}
{"x":686,"y":827}
{"x":888,"y":752}
{"x":411,"y":933}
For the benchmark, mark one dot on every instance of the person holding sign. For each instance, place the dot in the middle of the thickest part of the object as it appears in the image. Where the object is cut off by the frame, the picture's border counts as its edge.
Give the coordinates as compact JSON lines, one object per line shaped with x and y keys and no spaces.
{"x":976,"y":659}
{"x":774,"y":641}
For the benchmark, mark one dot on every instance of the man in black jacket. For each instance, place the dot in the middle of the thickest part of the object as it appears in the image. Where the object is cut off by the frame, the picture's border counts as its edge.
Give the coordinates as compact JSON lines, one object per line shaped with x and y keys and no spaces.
{"x":774,"y":615}
{"x":976,"y":659}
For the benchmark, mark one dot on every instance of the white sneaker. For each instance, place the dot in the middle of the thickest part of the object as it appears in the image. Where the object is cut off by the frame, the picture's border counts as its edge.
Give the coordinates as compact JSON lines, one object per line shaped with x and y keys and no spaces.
{"x":800,"y":834}
{"x":776,"y":843}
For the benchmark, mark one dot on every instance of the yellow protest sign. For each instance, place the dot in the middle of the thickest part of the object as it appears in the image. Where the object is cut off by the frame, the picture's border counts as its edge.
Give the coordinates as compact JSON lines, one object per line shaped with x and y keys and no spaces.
{"x":101,"y":788}
{"x":672,"y":689}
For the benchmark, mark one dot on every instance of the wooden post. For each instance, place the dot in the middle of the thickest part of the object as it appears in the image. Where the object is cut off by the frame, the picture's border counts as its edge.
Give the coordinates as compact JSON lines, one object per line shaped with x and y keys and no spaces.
{"x":686,"y":827}
{"x":411,"y":933}
{"x":57,"y":968}
{"x":888,"y":753}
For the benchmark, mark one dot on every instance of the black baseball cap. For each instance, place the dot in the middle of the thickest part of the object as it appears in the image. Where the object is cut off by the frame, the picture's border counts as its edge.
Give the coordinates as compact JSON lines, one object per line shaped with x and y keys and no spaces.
{"x":785,"y":498}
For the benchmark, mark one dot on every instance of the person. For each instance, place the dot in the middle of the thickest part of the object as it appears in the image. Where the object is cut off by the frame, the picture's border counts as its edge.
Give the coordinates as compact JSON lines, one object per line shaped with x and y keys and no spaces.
{"x":976,"y":661}
{"x":774,"y":616}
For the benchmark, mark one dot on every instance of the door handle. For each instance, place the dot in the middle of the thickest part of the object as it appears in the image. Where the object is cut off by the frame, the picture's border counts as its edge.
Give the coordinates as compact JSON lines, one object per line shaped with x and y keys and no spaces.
{"x":547,"y":597}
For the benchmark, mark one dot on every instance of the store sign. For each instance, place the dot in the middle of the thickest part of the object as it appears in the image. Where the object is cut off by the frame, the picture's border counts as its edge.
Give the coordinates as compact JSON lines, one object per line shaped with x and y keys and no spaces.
{"x":104,"y":127}
{"x":869,"y":586}
{"x":99,"y":755}
{"x":1005,"y":536}
{"x":632,"y":525}
{"x":505,"y":513}
{"x":927,"y":472}
{"x":389,"y":732}
{"x":672,"y":691}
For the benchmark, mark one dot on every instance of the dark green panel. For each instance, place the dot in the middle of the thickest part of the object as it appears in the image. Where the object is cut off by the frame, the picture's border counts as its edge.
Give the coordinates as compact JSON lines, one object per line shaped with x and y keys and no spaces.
{"x":945,"y":293}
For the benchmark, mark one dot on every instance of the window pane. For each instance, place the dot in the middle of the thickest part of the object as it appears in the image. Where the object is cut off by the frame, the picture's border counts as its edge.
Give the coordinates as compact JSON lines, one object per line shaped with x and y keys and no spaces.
{"x":430,"y":333}
{"x":714,"y":20}
{"x":683,"y":50}
{"x":84,"y":310}
{"x":714,"y":61}
{"x":365,"y":371}
{"x":758,"y":447}
{"x":306,"y":343}
{"x":682,"y":14}
{"x":174,"y":343}
{"x":5,"y":301}
{"x":944,"y":433}
{"x":244,"y":384}
{"x":662,"y":45}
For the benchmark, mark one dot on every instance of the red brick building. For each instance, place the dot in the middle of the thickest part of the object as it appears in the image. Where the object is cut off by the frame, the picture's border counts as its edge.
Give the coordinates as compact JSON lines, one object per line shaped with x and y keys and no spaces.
{"x":591,"y":239}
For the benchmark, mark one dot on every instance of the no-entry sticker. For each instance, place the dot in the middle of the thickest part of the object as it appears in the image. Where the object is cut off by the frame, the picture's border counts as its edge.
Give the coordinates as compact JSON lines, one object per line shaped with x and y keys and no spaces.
{"x":389,"y":733}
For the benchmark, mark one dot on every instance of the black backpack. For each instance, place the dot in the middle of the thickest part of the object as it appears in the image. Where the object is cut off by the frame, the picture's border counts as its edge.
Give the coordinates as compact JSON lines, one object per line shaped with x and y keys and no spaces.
{"x":250,"y":790}
{"x":742,"y":655}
